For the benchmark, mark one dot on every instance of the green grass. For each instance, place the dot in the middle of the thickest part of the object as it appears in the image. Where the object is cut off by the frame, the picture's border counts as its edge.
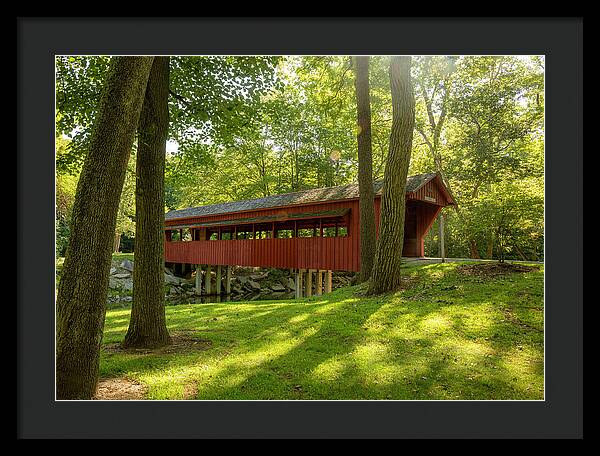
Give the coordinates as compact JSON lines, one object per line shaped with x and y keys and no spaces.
{"x":448,"y":336}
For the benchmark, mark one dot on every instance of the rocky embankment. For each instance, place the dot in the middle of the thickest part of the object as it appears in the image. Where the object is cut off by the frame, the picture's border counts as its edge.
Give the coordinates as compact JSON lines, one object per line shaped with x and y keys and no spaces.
{"x":247,"y":284}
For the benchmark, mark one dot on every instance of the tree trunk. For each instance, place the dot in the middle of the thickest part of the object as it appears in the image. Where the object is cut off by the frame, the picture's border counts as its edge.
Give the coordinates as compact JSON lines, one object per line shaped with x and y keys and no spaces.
{"x":388,"y":258}
{"x":490,"y":247}
{"x":147,"y":327}
{"x":81,"y":299}
{"x":473,"y":248}
{"x":117,"y":244}
{"x":365,"y":169}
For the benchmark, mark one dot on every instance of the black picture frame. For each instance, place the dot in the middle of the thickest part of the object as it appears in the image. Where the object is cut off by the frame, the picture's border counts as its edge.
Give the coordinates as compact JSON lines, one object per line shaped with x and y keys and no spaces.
{"x":560,"y":415}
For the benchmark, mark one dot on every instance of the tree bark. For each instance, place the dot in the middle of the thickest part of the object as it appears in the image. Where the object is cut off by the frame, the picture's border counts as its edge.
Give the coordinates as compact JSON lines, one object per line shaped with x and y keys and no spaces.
{"x":117,"y":244}
{"x":365,"y":169}
{"x":388,"y":258}
{"x":147,"y":326}
{"x":473,"y":249}
{"x":81,"y":299}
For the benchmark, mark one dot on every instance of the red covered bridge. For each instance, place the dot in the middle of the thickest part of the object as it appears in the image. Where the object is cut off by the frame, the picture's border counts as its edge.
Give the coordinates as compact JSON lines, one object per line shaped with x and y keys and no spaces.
{"x":314,"y":229}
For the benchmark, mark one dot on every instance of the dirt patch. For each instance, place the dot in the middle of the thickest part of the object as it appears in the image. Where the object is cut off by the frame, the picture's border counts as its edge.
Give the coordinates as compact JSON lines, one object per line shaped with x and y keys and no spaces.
{"x":119,"y":389}
{"x":494,"y":269}
{"x":407,"y":282}
{"x":190,"y":390}
{"x":509,"y":316}
{"x":182,"y":341}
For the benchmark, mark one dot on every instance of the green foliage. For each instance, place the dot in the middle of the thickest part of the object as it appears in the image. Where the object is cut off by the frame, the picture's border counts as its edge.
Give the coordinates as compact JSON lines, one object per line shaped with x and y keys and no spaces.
{"x":66,"y":186}
{"x":490,"y":149}
{"x":212,"y":98}
{"x":248,"y":127}
{"x":126,"y":213}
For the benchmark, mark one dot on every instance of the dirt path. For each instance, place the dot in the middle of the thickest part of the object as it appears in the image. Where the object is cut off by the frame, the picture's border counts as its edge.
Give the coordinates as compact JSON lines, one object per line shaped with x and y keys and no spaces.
{"x":119,"y":388}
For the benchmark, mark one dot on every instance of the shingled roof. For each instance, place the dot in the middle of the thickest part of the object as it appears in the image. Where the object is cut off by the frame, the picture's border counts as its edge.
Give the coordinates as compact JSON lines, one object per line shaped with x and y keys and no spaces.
{"x":314,"y":195}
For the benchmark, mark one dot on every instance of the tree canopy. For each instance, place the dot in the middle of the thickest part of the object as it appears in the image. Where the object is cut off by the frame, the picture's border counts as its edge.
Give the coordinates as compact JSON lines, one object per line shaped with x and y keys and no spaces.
{"x":247,"y":127}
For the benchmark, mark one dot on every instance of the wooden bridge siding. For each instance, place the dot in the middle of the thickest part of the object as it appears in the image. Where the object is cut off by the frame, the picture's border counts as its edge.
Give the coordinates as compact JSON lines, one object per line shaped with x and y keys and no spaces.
{"x":305,"y":253}
{"x":410,"y":248}
{"x":430,"y":189}
{"x":334,"y":253}
{"x":426,"y":215}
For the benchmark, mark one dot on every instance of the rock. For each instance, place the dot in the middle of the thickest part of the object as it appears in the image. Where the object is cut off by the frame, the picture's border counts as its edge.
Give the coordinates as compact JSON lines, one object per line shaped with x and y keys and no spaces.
{"x":259,"y":276}
{"x":123,"y":275}
{"x":277,"y":287}
{"x":128,"y":285}
{"x":126,"y":264}
{"x":171,"y":279}
{"x":173,"y":291}
{"x":243,"y":279}
{"x":254,"y":285}
{"x":113,"y":270}
{"x":114,"y":284}
{"x":291,"y":284}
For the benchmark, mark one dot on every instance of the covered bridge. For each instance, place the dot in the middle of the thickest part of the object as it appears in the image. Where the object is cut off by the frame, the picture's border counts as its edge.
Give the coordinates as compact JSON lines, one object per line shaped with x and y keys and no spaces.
{"x":309,"y":230}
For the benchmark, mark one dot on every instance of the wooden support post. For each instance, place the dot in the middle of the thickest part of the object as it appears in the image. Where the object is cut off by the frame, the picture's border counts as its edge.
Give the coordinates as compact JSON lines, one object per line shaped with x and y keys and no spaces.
{"x":198,"y":279}
{"x":228,"y":280}
{"x":309,"y":281}
{"x":207,"y":283}
{"x":219,"y":280}
{"x":299,"y":281}
{"x":328,"y":281}
{"x":441,"y":236}
{"x":319,"y":283}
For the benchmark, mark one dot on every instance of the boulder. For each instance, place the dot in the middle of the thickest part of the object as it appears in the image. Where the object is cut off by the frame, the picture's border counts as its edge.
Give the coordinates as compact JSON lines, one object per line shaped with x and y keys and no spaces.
{"x":171,"y":279}
{"x":277,"y":287}
{"x":259,"y":276}
{"x":123,"y":275}
{"x":291,"y":284}
{"x":254,"y":285}
{"x":128,"y":265}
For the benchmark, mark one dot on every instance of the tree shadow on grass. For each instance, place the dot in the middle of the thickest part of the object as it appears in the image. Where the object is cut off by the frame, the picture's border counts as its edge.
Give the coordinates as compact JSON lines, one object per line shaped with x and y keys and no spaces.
{"x":405,"y":346}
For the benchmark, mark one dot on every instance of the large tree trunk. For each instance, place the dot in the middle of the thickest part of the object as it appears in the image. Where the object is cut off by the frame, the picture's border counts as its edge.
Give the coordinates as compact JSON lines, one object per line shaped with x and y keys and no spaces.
{"x":117,"y":244}
{"x":365,"y":169}
{"x":147,"y":327}
{"x":388,"y":258}
{"x":81,"y":300}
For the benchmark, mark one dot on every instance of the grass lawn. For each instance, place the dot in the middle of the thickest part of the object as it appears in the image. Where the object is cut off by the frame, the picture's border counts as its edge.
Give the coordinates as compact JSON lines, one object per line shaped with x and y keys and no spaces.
{"x":448,"y":335}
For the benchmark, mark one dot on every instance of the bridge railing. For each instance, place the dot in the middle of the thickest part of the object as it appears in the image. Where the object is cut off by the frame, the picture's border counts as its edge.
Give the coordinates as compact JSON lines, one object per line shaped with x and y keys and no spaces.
{"x":329,"y":253}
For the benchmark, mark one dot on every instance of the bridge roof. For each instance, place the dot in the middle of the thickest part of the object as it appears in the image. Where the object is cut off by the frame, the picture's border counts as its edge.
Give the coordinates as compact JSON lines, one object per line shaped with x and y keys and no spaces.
{"x":311,"y":196}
